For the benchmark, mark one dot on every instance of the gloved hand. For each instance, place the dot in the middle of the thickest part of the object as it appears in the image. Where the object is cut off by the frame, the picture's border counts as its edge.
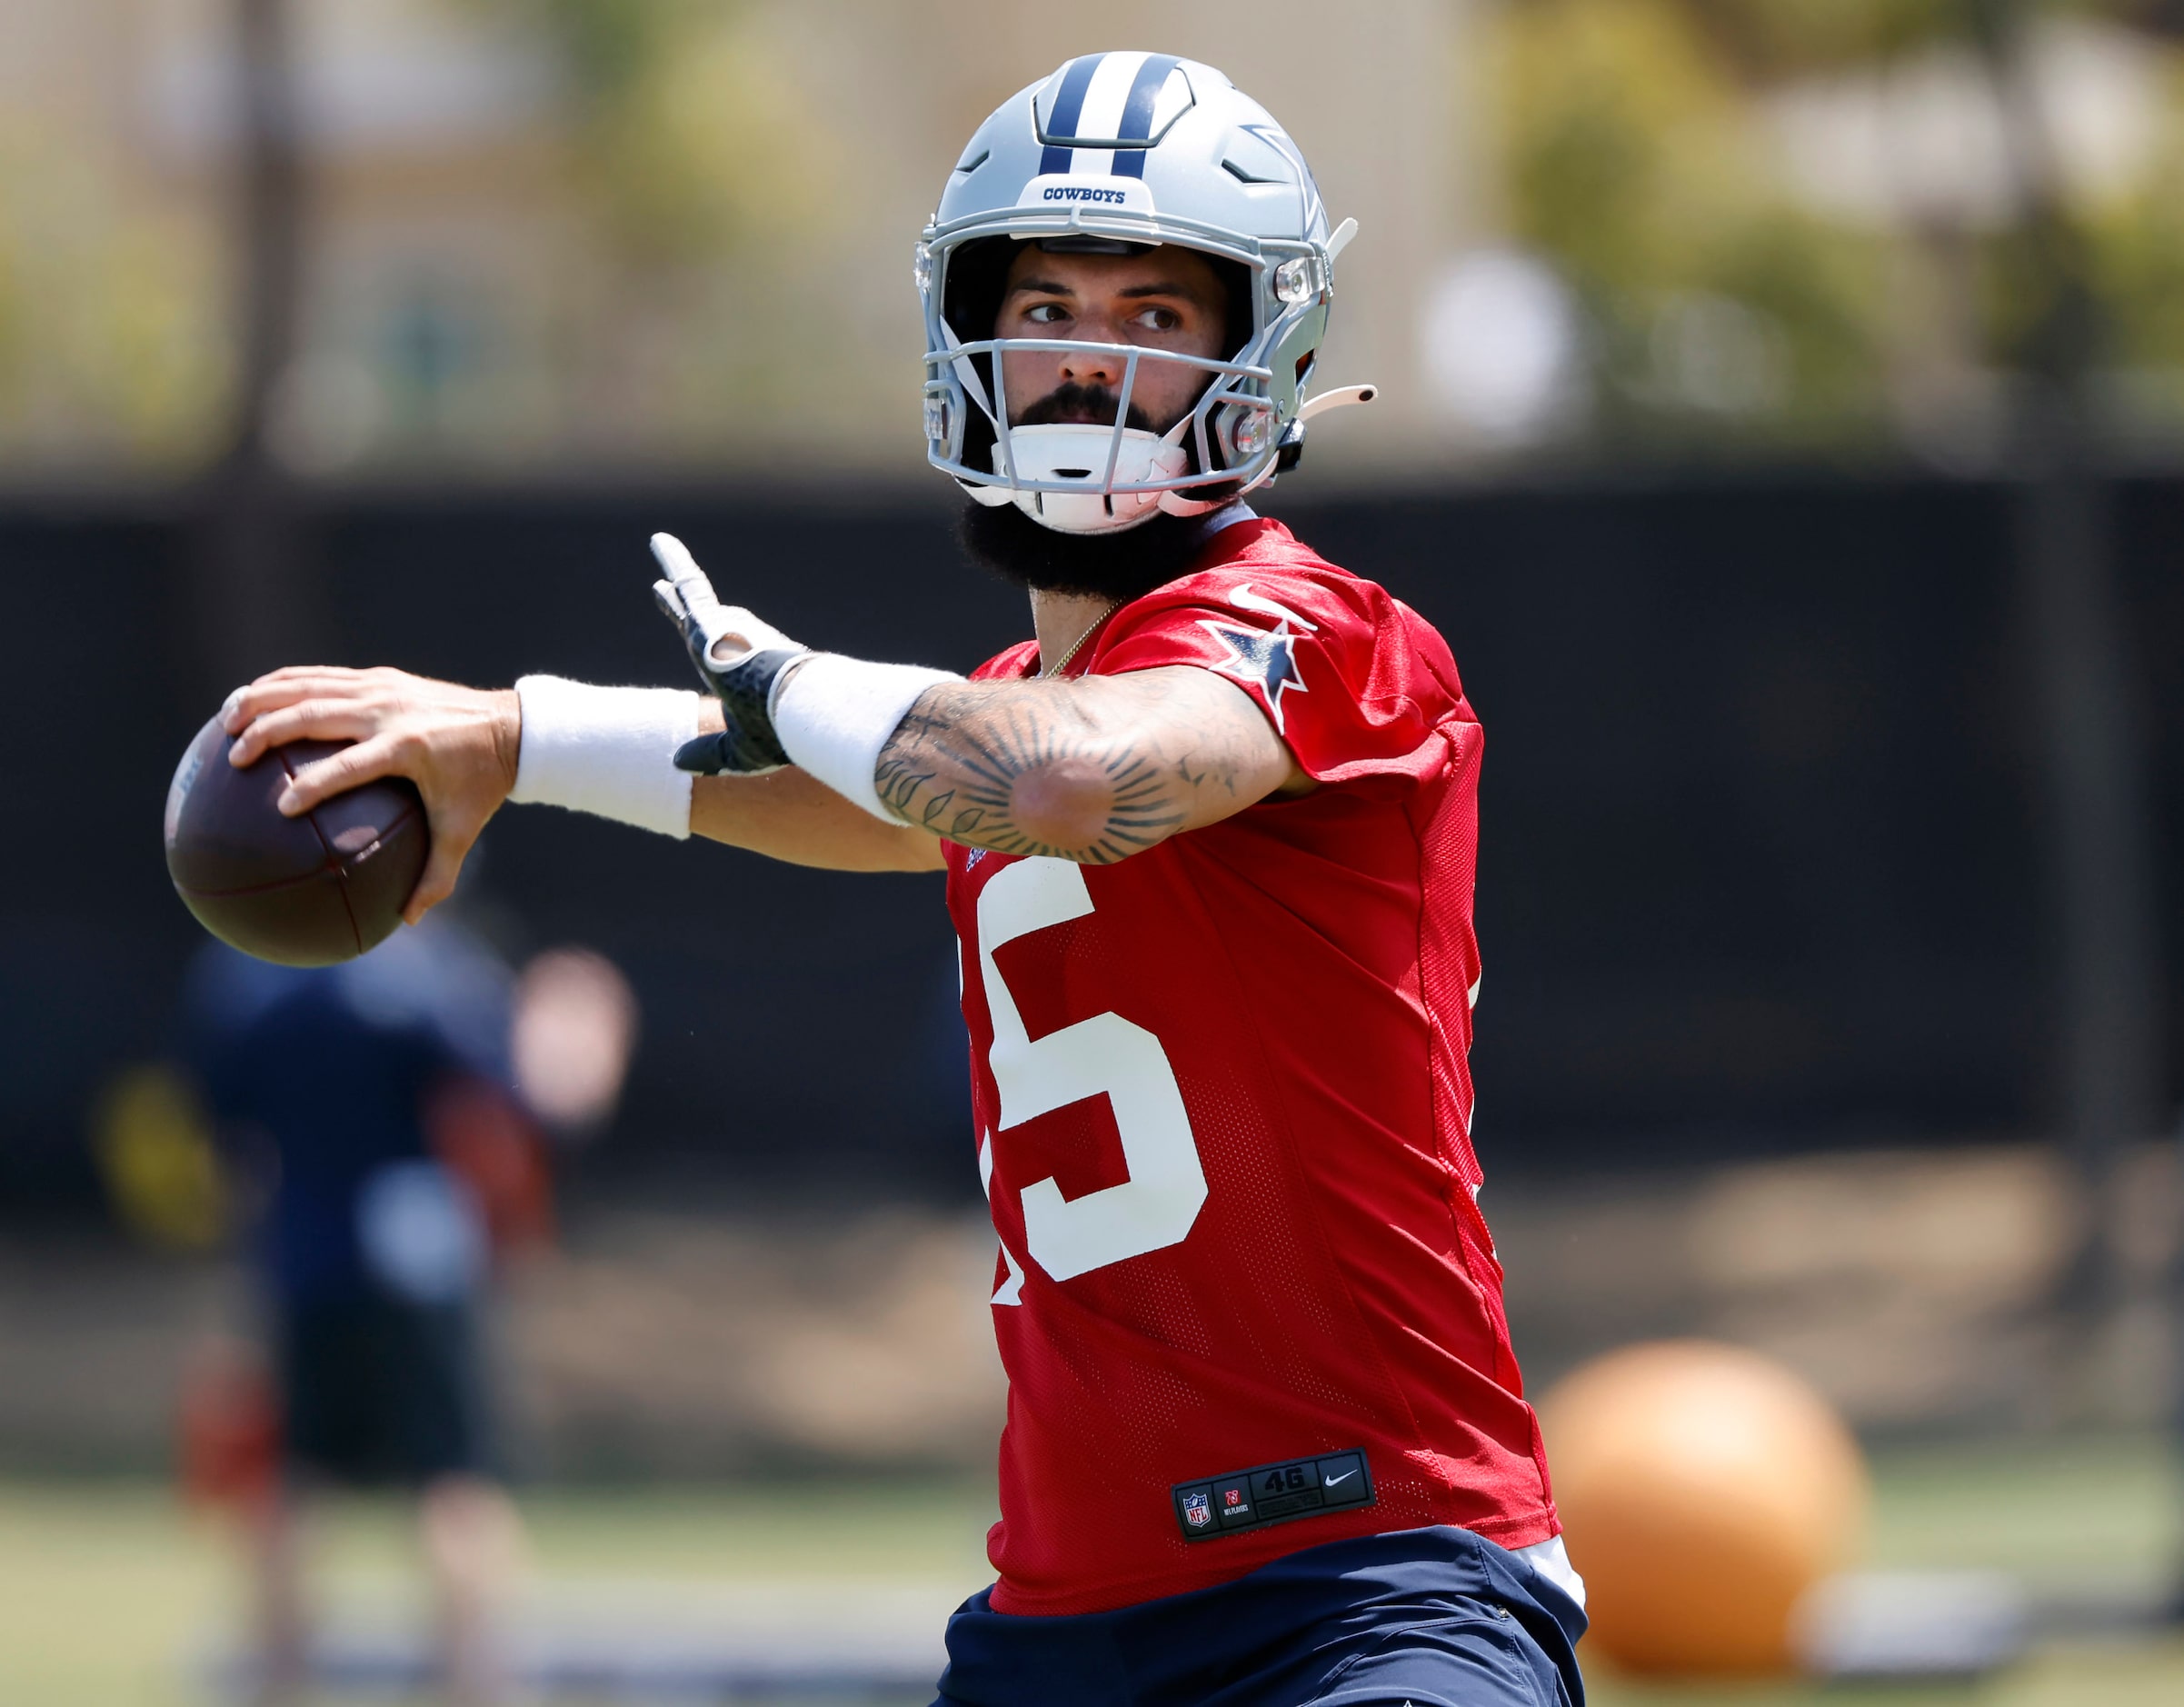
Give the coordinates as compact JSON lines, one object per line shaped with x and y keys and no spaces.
{"x":741,"y":660}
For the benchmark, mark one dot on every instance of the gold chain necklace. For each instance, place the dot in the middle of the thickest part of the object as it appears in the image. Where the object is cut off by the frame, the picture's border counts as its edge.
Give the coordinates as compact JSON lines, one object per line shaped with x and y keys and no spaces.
{"x":1063,"y":663}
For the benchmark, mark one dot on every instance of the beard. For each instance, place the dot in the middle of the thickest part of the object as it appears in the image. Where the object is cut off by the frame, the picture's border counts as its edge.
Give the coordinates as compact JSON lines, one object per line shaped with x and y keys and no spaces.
{"x":1121,"y":566}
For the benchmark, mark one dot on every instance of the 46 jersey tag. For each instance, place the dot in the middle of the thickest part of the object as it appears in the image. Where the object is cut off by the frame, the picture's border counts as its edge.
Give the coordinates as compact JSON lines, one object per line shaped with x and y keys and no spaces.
{"x":1271,"y":1493}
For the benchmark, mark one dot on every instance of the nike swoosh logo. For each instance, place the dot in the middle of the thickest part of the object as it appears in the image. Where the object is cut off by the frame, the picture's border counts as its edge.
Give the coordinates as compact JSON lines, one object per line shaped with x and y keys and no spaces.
{"x":1345,"y":1476}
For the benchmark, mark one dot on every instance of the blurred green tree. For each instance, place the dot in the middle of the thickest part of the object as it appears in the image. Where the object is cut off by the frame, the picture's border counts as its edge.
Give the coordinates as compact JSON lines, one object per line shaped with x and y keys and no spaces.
{"x":1634,"y":162}
{"x":688,"y":137}
{"x":109,"y":334}
{"x":708,"y":173}
{"x":1640,"y":153}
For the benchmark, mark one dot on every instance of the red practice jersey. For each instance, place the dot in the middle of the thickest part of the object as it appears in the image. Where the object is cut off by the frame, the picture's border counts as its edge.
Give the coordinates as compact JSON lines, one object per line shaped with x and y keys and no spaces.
{"x":1223,"y":1114}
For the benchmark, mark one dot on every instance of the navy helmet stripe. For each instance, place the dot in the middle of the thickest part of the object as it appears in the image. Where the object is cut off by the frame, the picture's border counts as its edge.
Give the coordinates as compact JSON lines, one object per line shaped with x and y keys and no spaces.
{"x":1137,"y":112}
{"x":1069,"y":106}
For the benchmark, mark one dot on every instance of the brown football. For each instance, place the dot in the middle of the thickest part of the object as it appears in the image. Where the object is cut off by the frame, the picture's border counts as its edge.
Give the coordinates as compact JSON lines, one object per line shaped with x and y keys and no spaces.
{"x":307,"y":890}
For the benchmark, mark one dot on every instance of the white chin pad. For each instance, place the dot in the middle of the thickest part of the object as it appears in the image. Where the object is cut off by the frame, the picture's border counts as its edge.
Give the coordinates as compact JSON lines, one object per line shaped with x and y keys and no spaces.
{"x":1071,"y":451}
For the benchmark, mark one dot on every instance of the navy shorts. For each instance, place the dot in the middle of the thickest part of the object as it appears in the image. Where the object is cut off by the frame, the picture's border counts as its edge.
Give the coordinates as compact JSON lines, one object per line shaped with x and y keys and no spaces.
{"x":378,"y":1390}
{"x":1434,"y":1617}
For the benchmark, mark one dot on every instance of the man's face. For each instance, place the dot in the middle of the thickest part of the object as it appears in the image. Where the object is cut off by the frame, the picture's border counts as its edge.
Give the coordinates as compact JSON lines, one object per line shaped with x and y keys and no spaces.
{"x":1158,"y":299}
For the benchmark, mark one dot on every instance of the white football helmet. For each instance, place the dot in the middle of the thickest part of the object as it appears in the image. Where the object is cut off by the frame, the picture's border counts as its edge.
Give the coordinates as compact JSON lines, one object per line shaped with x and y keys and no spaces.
{"x":1117,"y":151}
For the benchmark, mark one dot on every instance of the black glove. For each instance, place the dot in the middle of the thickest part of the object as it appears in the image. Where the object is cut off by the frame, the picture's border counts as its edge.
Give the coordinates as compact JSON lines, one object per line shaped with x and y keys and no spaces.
{"x":740,"y":658}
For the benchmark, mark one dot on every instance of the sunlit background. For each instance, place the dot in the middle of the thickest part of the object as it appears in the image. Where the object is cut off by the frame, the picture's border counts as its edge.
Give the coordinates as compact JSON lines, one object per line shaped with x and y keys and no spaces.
{"x":1782,"y":415}
{"x":555,"y":236}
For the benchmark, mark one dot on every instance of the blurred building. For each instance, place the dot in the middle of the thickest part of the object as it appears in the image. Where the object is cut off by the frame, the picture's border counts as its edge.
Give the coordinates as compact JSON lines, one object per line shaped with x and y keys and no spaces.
{"x":602,"y":236}
{"x":584,"y":235}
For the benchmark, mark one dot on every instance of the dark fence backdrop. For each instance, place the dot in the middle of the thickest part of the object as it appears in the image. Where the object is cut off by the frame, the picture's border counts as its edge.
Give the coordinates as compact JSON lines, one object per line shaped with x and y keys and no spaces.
{"x":1762,"y":864}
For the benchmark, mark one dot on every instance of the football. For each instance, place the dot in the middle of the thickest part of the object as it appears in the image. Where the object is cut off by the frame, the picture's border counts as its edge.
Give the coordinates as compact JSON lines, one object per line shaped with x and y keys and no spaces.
{"x":308,"y":890}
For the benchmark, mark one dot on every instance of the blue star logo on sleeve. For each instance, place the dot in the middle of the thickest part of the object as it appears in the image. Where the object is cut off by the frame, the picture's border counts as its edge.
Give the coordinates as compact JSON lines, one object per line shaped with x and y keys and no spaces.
{"x":1260,"y":659}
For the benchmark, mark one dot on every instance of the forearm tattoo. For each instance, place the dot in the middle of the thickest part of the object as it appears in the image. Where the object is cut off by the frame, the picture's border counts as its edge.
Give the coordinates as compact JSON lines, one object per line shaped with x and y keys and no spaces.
{"x":1051,"y":768}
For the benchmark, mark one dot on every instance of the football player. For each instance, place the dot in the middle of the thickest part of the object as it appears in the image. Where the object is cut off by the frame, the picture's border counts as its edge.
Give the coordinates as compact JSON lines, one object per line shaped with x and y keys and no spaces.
{"x":1208,"y":841}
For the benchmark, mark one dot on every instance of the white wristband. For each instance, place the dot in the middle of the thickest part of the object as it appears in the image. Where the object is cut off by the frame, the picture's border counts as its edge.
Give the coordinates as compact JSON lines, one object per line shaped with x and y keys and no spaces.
{"x":606,"y":750}
{"x":833,"y":714}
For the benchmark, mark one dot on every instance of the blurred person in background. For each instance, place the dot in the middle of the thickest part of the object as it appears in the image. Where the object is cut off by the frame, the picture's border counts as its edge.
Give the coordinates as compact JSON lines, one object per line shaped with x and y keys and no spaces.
{"x":389,"y":1115}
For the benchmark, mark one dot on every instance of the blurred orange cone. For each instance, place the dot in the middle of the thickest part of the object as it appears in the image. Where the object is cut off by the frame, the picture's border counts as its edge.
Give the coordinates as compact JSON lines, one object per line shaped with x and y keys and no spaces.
{"x":1703,"y":1489}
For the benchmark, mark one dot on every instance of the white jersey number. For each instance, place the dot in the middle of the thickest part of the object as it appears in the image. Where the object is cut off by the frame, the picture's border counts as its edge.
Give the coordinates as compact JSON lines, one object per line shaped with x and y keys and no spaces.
{"x":1106,"y":1055}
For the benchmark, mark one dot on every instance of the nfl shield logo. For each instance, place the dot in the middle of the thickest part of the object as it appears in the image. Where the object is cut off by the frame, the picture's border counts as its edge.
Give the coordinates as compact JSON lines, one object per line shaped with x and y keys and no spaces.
{"x":1196,"y":1511}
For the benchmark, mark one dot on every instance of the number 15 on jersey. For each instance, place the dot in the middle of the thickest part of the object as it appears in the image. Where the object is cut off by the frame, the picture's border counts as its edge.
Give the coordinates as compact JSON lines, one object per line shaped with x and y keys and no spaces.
{"x":1104,"y":1056}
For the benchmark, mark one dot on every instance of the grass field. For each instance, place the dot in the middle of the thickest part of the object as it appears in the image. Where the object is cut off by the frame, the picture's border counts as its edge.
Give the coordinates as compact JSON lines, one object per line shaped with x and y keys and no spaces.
{"x":107,"y":1591}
